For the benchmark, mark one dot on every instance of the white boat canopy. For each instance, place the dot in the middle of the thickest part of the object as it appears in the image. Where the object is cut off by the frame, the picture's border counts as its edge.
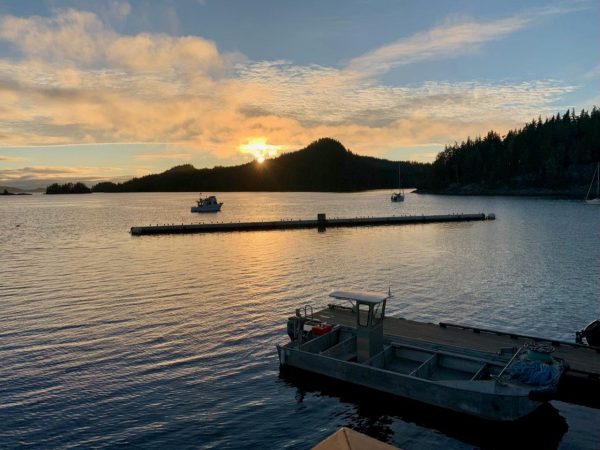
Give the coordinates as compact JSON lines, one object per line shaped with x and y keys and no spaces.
{"x":365,"y":297}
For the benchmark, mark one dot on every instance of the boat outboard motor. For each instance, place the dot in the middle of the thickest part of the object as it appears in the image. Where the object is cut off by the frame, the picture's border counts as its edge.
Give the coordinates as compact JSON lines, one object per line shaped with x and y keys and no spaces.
{"x":591,"y":333}
{"x":295,"y":327}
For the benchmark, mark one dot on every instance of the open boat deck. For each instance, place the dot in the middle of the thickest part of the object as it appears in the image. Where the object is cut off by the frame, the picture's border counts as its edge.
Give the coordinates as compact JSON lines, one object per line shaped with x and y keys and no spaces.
{"x":456,"y":378}
{"x":584,"y":361}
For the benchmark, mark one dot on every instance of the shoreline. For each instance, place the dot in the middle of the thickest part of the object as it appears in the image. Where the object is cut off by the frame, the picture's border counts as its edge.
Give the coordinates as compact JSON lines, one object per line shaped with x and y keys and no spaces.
{"x":475,"y":191}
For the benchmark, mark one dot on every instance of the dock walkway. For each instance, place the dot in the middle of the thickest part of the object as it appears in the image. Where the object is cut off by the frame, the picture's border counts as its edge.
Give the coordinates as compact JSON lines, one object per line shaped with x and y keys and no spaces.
{"x":321,"y":223}
{"x":582,"y":378}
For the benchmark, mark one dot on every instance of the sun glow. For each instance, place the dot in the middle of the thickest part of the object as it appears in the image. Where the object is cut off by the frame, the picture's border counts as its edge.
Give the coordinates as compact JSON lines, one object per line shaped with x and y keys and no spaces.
{"x":259,"y":149}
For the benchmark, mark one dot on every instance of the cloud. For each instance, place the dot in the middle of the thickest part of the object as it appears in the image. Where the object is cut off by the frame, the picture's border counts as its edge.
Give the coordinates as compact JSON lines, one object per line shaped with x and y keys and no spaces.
{"x":77,"y":81}
{"x":38,"y":176}
{"x":318,"y":95}
{"x":594,"y":72}
{"x":119,"y":10}
{"x":12,"y":158}
{"x":451,"y":39}
{"x":169,"y":156}
{"x":81,"y":39}
{"x":446,"y":41}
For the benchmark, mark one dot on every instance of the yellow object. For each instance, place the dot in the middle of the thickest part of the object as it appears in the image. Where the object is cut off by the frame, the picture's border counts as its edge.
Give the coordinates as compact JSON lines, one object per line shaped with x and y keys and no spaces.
{"x":347,"y":439}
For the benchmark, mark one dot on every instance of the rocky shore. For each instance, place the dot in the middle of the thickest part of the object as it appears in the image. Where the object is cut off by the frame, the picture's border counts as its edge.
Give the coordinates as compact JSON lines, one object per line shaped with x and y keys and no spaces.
{"x":575,"y":192}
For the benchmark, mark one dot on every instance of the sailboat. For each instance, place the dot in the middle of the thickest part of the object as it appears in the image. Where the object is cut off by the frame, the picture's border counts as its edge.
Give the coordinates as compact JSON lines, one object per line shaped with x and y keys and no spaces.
{"x":398,"y":196}
{"x":596,"y":176}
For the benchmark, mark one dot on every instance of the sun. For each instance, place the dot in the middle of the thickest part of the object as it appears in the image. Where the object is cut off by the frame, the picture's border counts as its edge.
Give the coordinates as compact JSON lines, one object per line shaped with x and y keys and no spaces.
{"x":259,"y":149}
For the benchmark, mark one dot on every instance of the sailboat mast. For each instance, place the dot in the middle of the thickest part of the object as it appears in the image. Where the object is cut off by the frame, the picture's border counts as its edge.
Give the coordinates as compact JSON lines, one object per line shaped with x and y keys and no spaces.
{"x":598,"y":180}
{"x":597,"y":176}
{"x":399,"y":179}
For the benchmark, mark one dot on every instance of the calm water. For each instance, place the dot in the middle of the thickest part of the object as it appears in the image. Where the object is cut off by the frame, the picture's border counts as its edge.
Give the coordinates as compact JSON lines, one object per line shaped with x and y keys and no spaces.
{"x":108,"y":339}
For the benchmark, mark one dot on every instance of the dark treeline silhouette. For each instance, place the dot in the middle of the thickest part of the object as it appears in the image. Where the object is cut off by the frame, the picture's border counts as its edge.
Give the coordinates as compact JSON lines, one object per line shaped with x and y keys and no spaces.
{"x":557,"y":153}
{"x":554,"y":155}
{"x":68,"y":188}
{"x":325,"y":165}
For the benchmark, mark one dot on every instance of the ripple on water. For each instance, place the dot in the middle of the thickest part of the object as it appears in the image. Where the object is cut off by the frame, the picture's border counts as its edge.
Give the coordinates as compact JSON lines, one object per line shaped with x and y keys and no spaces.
{"x":108,"y":340}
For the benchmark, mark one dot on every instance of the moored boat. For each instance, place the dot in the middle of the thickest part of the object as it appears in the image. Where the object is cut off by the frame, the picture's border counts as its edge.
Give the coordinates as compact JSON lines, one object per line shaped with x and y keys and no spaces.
{"x":207,"y":204}
{"x":480,"y":384}
{"x":595,"y":177}
{"x":398,"y":196}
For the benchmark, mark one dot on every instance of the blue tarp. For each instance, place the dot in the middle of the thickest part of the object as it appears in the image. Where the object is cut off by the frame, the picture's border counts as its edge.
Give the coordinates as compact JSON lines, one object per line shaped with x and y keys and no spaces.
{"x":533,"y":372}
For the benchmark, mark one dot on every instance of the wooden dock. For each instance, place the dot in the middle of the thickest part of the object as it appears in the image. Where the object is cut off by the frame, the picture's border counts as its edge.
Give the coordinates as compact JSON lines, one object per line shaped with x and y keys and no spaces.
{"x":321,"y":222}
{"x":580,"y":382}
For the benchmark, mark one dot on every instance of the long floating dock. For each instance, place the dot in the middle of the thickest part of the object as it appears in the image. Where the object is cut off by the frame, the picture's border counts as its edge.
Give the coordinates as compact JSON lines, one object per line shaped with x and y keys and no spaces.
{"x":321,"y":223}
{"x":577,"y":386}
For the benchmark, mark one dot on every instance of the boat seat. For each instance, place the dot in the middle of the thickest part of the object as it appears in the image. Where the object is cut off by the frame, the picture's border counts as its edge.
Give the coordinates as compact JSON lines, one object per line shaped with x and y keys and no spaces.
{"x":424,"y":370}
{"x":343,"y":350}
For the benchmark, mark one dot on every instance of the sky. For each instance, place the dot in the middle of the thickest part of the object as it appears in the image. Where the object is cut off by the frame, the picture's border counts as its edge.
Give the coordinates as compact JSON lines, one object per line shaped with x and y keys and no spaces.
{"x":111,"y":89}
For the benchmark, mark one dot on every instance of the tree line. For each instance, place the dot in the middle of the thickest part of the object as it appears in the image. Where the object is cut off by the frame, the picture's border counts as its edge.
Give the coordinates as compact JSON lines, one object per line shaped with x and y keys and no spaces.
{"x":68,"y":188}
{"x":555,"y":153}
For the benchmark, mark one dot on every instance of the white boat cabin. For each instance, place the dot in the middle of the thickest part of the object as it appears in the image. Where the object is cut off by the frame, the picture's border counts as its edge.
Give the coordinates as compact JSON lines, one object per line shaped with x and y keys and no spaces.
{"x":207,"y":204}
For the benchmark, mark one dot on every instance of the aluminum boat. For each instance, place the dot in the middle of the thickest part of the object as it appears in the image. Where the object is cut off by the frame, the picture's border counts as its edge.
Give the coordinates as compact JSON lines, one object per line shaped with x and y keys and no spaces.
{"x":486,"y":385}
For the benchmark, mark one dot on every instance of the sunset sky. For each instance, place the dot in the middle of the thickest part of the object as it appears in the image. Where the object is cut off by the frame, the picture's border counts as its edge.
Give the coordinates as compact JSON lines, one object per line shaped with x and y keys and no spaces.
{"x":113,"y":89}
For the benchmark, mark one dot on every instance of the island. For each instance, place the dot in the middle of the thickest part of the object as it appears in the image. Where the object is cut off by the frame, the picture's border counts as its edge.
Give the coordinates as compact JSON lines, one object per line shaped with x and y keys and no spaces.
{"x":7,"y":192}
{"x":68,"y":188}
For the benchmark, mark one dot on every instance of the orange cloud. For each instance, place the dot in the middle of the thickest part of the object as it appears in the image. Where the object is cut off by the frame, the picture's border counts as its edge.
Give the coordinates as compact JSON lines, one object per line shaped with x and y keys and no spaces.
{"x":76,"y":80}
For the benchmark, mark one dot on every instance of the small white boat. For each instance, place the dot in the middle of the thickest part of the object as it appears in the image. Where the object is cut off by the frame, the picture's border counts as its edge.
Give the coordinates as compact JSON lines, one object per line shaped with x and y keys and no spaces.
{"x":398,"y":196}
{"x":596,"y":176}
{"x":207,"y":204}
{"x":480,"y":384}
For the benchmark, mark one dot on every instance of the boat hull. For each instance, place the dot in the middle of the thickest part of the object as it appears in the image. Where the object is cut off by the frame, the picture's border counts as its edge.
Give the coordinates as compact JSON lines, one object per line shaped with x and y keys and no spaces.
{"x":207,"y":209}
{"x":593,"y":201}
{"x":492,"y":401}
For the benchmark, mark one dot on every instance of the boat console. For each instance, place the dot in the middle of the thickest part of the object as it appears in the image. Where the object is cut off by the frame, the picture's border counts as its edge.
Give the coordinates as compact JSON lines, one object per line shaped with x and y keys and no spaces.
{"x":370,"y":311}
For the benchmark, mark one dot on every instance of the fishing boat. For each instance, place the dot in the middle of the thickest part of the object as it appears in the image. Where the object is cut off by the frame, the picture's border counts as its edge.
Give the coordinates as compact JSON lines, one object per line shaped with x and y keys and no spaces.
{"x":398,"y":196}
{"x":485,"y":385}
{"x":595,"y":177}
{"x":207,"y":204}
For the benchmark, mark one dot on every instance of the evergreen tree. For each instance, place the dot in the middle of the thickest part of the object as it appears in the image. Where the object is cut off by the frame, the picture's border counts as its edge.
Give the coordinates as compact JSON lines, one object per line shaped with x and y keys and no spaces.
{"x":557,"y":153}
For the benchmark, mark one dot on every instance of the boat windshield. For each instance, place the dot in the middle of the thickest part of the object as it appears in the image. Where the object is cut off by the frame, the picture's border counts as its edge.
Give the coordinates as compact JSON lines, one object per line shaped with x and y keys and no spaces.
{"x":378,"y":313}
{"x":363,"y":315}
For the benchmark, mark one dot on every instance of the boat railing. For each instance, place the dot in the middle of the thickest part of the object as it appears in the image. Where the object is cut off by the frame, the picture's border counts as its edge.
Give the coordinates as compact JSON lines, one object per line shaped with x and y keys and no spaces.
{"x":306,"y":310}
{"x":334,"y":306}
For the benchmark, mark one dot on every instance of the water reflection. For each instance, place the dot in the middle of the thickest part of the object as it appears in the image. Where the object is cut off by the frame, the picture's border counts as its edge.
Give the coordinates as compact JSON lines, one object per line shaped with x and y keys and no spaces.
{"x":170,"y":340}
{"x":376,"y":414}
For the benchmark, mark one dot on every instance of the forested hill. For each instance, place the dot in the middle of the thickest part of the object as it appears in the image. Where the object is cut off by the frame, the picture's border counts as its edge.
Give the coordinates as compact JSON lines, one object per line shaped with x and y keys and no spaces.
{"x":558,"y":153}
{"x":325,"y":165}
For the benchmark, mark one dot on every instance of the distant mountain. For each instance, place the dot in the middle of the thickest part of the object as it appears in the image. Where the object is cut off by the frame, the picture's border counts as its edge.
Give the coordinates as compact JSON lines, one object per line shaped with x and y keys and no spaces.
{"x":16,"y":190}
{"x":325,"y":165}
